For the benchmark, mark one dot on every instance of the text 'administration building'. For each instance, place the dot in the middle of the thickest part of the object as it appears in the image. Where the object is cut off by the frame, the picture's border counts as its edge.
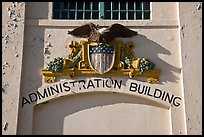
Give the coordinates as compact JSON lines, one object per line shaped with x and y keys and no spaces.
{"x":146,"y":83}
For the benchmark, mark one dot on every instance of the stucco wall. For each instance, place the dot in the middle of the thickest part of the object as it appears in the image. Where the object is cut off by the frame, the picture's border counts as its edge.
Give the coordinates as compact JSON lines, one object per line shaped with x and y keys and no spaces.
{"x":190,"y":15}
{"x":149,"y":43}
{"x":13,"y":16}
{"x":101,"y":113}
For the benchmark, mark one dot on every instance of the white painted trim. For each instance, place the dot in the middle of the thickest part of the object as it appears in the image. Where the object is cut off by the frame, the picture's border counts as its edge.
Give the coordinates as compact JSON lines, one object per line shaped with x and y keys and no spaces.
{"x":50,"y":10}
{"x":151,"y":11}
{"x":74,"y":23}
{"x":78,"y":89}
{"x":181,"y":64}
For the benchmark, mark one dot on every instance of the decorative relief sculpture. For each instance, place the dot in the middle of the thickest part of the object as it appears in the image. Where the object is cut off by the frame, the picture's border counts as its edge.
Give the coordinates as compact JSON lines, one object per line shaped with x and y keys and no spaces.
{"x":101,"y":54}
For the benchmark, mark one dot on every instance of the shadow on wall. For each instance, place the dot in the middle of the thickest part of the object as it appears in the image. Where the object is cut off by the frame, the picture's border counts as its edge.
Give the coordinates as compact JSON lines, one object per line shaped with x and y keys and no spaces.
{"x":37,"y":10}
{"x":149,"y":49}
{"x":32,"y":62}
{"x":49,"y":118}
{"x":33,"y":59}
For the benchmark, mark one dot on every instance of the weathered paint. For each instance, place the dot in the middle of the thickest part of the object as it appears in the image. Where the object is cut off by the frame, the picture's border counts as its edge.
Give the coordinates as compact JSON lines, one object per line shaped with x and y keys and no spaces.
{"x":12,"y":55}
{"x":167,"y":40}
{"x":190,"y":23}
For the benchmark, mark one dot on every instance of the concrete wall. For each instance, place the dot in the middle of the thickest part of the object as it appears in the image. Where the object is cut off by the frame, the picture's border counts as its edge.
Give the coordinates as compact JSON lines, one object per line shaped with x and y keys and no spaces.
{"x":13,"y":17}
{"x":191,"y":52}
{"x":160,"y":40}
{"x":101,"y":113}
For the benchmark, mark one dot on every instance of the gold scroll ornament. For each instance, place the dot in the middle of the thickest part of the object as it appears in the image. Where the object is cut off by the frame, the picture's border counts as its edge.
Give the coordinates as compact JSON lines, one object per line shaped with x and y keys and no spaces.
{"x":77,"y":63}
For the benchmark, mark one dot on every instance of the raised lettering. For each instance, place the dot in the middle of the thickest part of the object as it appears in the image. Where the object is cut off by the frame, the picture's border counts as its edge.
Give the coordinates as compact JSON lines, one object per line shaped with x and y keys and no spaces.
{"x":53,"y":89}
{"x":169,"y":99}
{"x":24,"y":101}
{"x":82,"y":81}
{"x":118,"y":84}
{"x":148,"y":92}
{"x":42,"y":96}
{"x":67,"y":88}
{"x":176,"y":103}
{"x":156,"y":91}
{"x":133,"y":87}
{"x":90,"y":84}
{"x":97,"y":81}
{"x":143,"y":89}
{"x":73,"y":82}
{"x":31,"y":99}
{"x":108,"y":81}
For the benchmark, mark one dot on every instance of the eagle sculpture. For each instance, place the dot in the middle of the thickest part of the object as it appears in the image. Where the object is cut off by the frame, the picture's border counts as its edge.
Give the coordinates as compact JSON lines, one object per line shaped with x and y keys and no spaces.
{"x":103,"y":35}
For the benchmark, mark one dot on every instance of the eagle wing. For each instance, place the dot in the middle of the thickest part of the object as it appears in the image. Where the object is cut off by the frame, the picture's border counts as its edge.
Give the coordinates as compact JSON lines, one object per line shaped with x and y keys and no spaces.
{"x":117,"y":30}
{"x":87,"y":30}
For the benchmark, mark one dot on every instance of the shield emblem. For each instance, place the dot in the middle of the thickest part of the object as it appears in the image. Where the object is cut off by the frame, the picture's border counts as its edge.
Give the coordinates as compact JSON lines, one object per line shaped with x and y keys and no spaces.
{"x":101,"y":57}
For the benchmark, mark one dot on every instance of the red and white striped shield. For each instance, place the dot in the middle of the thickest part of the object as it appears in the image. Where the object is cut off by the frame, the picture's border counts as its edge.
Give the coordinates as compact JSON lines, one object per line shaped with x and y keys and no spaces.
{"x":101,"y":57}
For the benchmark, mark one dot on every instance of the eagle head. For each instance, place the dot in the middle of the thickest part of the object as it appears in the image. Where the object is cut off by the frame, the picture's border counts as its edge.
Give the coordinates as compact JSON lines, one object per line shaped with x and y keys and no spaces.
{"x":103,"y":30}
